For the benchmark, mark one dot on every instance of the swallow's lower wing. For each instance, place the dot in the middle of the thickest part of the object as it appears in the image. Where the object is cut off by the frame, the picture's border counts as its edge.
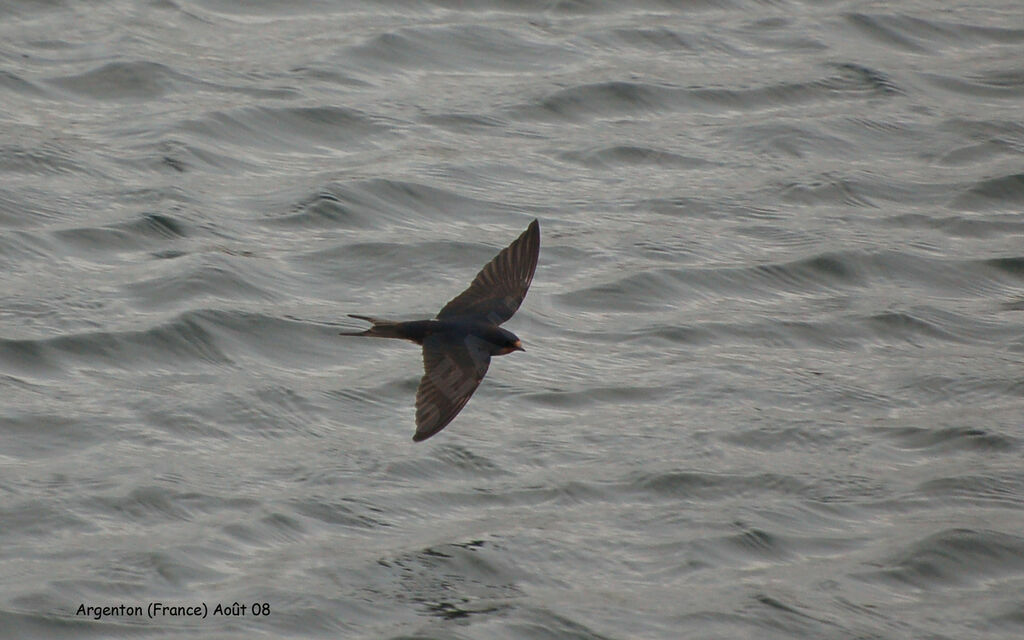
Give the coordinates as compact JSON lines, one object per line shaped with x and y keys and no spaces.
{"x":499,"y":288}
{"x":453,"y":368}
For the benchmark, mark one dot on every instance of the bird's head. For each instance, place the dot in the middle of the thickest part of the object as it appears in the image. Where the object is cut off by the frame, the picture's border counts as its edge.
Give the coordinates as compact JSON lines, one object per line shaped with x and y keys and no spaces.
{"x":504,"y":342}
{"x":507,"y":348}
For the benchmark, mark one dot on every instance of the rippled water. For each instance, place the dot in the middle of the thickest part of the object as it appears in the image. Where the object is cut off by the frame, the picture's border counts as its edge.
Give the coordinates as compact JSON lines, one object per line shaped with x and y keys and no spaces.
{"x":774,"y":382}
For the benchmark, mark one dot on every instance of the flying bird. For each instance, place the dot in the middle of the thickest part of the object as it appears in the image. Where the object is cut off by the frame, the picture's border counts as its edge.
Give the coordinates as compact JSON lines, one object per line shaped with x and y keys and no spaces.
{"x":459,"y":342}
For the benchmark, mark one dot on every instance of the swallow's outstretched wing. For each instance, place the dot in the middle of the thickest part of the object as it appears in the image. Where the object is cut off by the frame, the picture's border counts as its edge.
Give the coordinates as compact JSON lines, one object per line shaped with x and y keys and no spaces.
{"x":453,"y":368}
{"x":499,"y":288}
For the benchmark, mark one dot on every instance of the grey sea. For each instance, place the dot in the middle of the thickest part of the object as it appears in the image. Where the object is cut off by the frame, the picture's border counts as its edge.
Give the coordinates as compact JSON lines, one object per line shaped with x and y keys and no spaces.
{"x":774,"y":378}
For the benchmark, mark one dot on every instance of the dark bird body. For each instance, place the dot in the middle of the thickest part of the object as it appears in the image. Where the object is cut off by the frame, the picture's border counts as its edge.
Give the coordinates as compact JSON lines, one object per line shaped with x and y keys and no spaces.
{"x":459,"y":342}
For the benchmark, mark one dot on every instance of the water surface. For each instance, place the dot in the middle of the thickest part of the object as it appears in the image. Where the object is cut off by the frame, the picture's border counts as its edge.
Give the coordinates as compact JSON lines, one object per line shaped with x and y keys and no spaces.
{"x":773,"y":385}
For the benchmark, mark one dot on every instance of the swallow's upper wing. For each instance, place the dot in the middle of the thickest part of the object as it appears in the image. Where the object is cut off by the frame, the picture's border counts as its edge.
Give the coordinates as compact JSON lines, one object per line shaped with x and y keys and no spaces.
{"x":453,"y":368}
{"x":499,"y":288}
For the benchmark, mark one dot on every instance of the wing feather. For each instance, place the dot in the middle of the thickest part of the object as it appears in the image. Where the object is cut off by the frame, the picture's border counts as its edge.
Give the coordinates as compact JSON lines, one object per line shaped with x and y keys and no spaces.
{"x":498,"y":290}
{"x":453,"y":369}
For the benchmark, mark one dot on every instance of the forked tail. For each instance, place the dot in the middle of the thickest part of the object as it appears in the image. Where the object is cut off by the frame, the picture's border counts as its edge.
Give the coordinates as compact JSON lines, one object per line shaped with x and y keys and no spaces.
{"x":381,"y":328}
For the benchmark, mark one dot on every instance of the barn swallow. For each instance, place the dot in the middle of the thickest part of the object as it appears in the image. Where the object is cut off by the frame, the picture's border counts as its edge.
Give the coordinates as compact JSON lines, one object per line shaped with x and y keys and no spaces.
{"x":459,"y":342}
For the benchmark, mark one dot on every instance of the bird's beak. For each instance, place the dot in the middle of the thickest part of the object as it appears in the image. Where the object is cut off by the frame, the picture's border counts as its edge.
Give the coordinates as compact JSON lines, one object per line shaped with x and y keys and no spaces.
{"x":517,"y":346}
